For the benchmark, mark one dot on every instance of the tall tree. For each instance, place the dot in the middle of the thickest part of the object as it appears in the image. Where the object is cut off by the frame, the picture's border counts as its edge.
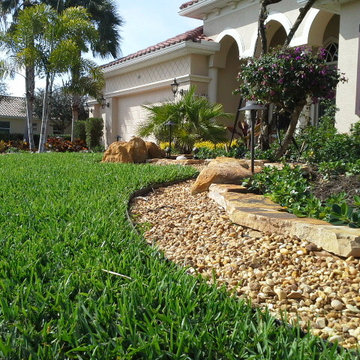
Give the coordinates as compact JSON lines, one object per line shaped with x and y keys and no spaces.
{"x":53,"y":47}
{"x":267,"y":126}
{"x":106,"y":20}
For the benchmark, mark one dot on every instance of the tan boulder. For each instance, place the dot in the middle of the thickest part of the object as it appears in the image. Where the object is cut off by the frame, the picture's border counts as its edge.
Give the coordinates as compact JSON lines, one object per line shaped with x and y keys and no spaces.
{"x":137,"y":150}
{"x":221,"y":171}
{"x":117,"y":152}
{"x":154,"y":151}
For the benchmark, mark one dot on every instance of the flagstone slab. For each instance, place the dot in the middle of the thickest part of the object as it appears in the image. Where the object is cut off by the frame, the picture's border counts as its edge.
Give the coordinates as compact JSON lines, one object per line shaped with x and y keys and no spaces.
{"x":259,"y":213}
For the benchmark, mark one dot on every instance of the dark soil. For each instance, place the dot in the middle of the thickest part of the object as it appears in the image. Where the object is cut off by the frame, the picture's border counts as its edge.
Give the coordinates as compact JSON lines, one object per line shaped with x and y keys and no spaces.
{"x":324,"y":188}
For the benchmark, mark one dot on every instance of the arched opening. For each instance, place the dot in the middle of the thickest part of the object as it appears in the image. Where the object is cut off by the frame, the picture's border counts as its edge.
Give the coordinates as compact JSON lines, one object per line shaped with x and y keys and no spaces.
{"x":228,"y":64}
{"x":275,"y":34}
{"x":327,"y":28}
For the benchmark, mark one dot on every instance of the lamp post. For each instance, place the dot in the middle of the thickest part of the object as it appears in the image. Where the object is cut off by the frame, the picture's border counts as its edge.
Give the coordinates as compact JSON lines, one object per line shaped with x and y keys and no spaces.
{"x":253,"y":107}
{"x":169,"y":124}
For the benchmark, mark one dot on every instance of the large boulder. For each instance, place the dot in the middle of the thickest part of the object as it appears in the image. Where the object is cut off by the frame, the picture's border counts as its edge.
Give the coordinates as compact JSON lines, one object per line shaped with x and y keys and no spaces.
{"x":154,"y":151}
{"x":137,"y":150}
{"x":117,"y":152}
{"x":222,"y":170}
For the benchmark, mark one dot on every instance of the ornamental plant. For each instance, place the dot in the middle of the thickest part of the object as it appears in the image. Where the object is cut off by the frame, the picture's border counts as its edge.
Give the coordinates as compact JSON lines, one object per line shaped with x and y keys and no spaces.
{"x":287,"y":78}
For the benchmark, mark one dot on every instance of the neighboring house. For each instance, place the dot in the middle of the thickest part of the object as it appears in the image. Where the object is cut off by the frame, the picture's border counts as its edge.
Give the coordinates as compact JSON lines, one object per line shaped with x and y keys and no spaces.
{"x":208,"y":57}
{"x":13,"y":116}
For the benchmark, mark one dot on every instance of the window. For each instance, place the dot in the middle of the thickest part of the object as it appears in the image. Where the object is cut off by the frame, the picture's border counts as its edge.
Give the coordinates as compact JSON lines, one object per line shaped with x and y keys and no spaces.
{"x":332,"y":53}
{"x":34,"y":127}
{"x":4,"y":127}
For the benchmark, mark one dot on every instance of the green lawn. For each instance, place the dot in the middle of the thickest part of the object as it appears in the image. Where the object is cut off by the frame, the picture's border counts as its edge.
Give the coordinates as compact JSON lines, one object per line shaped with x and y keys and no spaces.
{"x":63,"y":220}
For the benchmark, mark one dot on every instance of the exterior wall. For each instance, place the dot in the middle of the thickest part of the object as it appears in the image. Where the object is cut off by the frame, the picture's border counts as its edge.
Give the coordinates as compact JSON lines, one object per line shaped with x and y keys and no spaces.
{"x":148,"y":85}
{"x":131,"y":113}
{"x":17,"y":126}
{"x":243,"y":22}
{"x":348,"y":63}
{"x":148,"y":75}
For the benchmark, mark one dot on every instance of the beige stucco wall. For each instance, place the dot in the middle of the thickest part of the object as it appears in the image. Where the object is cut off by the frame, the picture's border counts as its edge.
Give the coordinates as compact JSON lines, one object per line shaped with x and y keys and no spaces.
{"x":348,"y":63}
{"x":127,"y":92}
{"x":17,"y":126}
{"x":148,"y":74}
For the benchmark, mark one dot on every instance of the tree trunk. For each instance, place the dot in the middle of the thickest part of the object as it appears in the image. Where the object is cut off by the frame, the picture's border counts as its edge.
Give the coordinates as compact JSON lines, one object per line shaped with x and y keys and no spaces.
{"x":303,"y":11}
{"x":75,"y":104}
{"x":30,"y":96}
{"x":290,"y":131}
{"x":265,"y":130}
{"x":45,"y":112}
{"x":263,"y":14}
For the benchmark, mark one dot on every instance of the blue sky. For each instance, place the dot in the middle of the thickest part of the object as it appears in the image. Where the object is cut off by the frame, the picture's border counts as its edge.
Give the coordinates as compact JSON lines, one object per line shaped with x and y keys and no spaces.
{"x":146,"y":22}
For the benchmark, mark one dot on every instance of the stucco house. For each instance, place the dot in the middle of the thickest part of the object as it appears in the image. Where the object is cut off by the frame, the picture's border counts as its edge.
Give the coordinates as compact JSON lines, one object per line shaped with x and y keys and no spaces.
{"x":208,"y":57}
{"x":13,"y":116}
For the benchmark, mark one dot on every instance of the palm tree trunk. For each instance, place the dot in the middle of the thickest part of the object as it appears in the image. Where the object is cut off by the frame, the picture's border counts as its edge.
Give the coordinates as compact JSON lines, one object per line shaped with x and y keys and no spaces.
{"x":30,"y":96}
{"x":75,"y":104}
{"x":45,"y":112}
{"x":290,"y":131}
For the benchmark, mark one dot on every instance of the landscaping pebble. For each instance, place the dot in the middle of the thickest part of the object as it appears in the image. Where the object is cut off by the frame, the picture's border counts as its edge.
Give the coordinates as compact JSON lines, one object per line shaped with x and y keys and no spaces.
{"x":281,"y":273}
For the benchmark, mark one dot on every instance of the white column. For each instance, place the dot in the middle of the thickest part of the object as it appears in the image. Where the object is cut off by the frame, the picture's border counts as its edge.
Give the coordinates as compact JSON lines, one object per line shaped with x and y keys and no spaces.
{"x":213,"y":85}
{"x":108,"y":138}
{"x":348,"y":63}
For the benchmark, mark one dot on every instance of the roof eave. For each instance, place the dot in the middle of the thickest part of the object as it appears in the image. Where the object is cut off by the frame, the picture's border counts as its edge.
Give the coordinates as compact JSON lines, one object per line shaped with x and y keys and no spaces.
{"x":169,"y":53}
{"x":327,"y":5}
{"x":203,"y":8}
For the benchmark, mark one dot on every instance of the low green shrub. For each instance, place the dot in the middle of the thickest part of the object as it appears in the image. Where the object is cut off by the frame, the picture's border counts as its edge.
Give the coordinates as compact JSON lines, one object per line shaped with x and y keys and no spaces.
{"x":289,"y":188}
{"x":207,"y":153}
{"x":79,"y":130}
{"x":328,"y":169}
{"x":94,"y":132}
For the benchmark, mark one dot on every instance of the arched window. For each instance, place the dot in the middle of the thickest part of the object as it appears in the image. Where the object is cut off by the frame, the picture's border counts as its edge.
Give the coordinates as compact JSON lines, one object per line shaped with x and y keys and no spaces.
{"x":332,"y":53}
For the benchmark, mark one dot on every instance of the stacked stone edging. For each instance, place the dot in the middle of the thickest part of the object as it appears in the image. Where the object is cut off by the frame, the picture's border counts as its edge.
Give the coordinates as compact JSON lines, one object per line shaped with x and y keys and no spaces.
{"x":260,"y":213}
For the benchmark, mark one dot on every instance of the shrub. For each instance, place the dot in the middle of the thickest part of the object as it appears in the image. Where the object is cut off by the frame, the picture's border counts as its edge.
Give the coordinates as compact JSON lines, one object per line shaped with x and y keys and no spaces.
{"x":79,"y":130}
{"x":94,"y":132}
{"x":13,"y":146}
{"x":289,"y":188}
{"x":59,"y":144}
{"x":323,"y":143}
{"x":192,"y":117}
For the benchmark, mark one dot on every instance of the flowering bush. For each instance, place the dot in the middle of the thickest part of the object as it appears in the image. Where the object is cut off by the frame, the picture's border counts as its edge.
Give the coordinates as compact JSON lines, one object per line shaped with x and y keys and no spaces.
{"x":286,"y":77}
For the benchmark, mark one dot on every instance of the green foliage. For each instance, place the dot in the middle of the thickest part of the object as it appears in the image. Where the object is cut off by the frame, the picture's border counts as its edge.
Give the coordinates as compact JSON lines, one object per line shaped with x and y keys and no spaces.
{"x":80,"y":130}
{"x":66,"y":223}
{"x":328,"y":169}
{"x":193,"y":118}
{"x":59,"y":144}
{"x":234,"y":151}
{"x":323,"y":143}
{"x":289,"y":188}
{"x":287,"y":77}
{"x":94,"y":132}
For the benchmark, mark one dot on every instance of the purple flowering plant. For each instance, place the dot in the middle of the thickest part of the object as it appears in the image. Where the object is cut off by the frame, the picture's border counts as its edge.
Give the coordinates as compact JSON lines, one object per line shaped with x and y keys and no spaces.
{"x":287,"y":77}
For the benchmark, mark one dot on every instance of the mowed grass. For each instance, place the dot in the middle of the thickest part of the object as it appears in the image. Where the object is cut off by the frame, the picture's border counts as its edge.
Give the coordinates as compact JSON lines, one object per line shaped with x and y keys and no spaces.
{"x":63,"y":221}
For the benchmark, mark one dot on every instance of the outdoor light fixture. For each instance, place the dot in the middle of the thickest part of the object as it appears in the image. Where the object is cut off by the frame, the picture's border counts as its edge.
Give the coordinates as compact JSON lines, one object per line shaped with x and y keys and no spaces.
{"x":174,"y":87}
{"x":87,"y":107}
{"x":104,"y":103}
{"x":253,"y":107}
{"x":168,"y":149}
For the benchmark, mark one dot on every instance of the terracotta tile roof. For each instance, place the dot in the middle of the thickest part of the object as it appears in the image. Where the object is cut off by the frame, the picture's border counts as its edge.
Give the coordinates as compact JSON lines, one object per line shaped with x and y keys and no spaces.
{"x":12,"y":107}
{"x":195,"y":35}
{"x":187,"y":4}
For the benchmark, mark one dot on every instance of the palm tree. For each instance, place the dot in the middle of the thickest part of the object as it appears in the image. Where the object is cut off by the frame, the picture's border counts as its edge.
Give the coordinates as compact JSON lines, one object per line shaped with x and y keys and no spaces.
{"x":193,"y":118}
{"x":106,"y":20}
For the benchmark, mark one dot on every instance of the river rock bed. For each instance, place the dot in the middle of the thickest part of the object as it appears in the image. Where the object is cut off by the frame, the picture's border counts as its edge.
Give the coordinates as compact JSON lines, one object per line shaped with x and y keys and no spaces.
{"x":283,"y":274}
